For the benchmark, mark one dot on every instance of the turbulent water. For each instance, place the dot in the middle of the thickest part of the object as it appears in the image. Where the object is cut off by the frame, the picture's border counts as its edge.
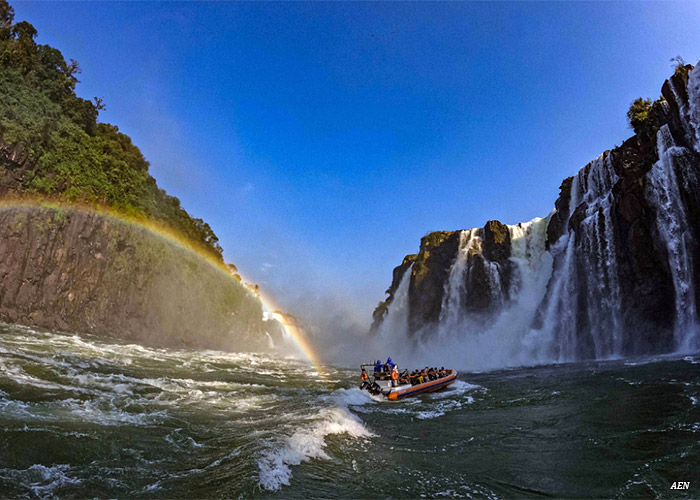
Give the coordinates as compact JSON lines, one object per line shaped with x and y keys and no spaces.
{"x":87,"y":417}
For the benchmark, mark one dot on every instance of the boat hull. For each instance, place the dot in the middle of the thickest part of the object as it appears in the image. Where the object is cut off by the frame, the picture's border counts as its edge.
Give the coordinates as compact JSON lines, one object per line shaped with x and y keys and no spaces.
{"x":413,"y":390}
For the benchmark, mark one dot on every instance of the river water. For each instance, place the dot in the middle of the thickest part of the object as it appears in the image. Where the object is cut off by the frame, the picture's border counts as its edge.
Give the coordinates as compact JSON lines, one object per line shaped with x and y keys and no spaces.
{"x":89,"y":417}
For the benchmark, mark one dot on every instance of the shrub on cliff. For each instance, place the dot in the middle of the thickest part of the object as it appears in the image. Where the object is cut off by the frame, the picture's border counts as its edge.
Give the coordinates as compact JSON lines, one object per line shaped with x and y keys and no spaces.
{"x":638,"y":114}
{"x":76,"y":158}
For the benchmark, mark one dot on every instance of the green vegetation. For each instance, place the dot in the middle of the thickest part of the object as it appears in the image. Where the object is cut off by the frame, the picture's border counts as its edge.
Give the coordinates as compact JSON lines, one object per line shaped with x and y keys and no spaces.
{"x":643,"y":113}
{"x":75,"y":158}
{"x":435,"y":239}
{"x":643,"y":116}
{"x":638,"y":114}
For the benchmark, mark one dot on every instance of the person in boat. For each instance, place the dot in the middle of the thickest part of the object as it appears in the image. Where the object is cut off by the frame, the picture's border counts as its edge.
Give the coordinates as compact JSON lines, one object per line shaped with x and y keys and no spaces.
{"x":403,"y":378}
{"x":378,"y":367}
{"x":364,"y":377}
{"x":389,"y":365}
{"x":395,"y":376}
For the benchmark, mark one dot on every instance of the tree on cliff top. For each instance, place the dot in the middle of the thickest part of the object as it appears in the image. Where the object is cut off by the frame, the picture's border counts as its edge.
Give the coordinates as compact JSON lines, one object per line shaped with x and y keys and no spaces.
{"x":638,"y":114}
{"x":74,"y":156}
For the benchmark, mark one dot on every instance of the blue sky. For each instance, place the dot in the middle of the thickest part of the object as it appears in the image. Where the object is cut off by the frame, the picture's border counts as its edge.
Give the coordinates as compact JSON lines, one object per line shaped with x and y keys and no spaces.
{"x":322,"y":140}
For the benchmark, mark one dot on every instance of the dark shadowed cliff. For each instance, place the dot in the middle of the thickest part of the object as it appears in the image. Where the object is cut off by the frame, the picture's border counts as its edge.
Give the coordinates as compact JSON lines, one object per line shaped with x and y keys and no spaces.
{"x":72,"y":270}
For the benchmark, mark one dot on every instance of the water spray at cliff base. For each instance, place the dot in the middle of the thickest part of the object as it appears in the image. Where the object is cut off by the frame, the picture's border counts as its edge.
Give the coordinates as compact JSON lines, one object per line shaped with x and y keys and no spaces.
{"x":296,"y":340}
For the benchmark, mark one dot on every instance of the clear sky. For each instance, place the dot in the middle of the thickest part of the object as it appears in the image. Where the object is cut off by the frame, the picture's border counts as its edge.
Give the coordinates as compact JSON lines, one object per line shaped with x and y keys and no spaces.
{"x":322,"y":140}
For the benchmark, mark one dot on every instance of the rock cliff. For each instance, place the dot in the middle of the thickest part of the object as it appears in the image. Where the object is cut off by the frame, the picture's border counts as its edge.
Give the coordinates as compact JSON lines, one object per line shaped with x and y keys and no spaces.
{"x":617,"y":253}
{"x":79,"y":271}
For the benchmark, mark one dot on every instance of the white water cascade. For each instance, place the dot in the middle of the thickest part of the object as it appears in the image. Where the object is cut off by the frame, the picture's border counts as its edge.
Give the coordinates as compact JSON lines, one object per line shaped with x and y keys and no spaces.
{"x":672,"y":223}
{"x":452,"y":311}
{"x":395,"y":324}
{"x":587,"y":296}
{"x":582,"y":314}
{"x":494,"y":337}
{"x":694,"y":103}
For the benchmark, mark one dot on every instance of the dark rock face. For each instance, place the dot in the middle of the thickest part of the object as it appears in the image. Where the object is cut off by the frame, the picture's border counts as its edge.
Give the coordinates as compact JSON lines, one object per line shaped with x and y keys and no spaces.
{"x":558,"y":222}
{"x":76,"y":271}
{"x":646,"y":286}
{"x":431,"y":270}
{"x":383,"y":307}
{"x":428,"y":276}
{"x":15,"y":162}
{"x":496,"y":242}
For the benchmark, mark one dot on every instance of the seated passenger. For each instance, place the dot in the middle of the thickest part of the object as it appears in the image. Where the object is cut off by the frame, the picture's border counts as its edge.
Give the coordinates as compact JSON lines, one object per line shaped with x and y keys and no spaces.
{"x":378,"y":367}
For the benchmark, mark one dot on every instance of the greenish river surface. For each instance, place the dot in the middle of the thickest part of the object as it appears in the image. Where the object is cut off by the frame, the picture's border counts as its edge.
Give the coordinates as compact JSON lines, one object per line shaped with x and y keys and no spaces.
{"x":82,"y":417}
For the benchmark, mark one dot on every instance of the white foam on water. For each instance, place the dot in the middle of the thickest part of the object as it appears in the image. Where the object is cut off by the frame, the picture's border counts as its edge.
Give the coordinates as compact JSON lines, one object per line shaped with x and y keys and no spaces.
{"x":426,"y":415}
{"x":42,"y":481}
{"x":10,"y":408}
{"x":17,"y":374}
{"x":107,"y":412}
{"x":307,"y":443}
{"x":444,"y":407}
{"x":457,"y":388}
{"x":354,"y":397}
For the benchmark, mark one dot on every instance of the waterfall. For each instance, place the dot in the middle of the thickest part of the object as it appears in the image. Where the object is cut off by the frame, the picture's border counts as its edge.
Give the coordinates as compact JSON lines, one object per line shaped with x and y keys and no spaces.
{"x":494,"y":336}
{"x":600,"y":290}
{"x":694,"y":103}
{"x":452,"y":311}
{"x":559,"y":315}
{"x":672,"y":224}
{"x":395,"y":324}
{"x":581,"y":315}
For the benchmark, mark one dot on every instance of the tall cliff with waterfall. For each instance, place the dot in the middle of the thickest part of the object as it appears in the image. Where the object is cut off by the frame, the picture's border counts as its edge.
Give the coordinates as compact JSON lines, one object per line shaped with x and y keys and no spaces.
{"x":612,"y":271}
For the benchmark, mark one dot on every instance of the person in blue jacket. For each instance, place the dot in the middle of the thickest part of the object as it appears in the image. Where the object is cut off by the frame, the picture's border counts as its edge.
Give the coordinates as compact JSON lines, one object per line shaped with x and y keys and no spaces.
{"x":378,"y":367}
{"x":389,"y":364}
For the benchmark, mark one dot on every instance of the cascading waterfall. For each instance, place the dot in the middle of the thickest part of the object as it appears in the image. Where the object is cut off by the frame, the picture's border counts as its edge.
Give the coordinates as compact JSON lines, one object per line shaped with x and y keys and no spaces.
{"x":494,"y":337}
{"x":395,"y":324}
{"x":589,"y":300}
{"x":559,"y":315}
{"x":694,"y":103}
{"x":597,"y":250}
{"x":672,"y":224}
{"x":582,"y":298}
{"x":452,"y":312}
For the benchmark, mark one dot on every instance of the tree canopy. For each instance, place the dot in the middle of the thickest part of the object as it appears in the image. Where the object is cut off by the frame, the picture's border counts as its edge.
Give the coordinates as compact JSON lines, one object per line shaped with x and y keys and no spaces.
{"x":75,"y":157}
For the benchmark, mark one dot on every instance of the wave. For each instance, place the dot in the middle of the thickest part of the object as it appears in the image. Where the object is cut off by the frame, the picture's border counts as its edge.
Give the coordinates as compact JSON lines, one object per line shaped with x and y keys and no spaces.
{"x":42,"y":481}
{"x":305,"y":444}
{"x":457,"y":388}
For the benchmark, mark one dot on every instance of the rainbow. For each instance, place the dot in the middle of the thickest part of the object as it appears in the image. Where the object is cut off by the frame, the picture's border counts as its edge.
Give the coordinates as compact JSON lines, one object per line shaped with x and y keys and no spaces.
{"x":293,"y":331}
